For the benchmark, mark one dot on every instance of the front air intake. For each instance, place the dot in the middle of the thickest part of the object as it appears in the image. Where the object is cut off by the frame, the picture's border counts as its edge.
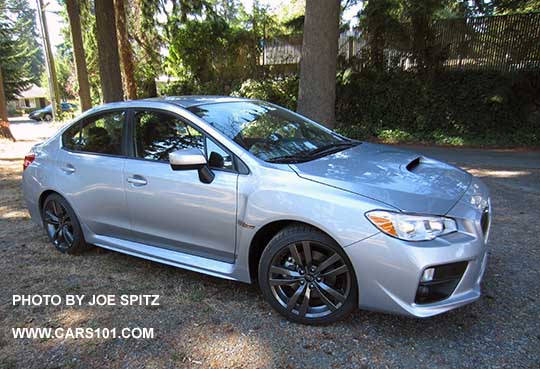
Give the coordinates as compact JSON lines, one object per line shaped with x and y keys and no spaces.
{"x":442,"y":283}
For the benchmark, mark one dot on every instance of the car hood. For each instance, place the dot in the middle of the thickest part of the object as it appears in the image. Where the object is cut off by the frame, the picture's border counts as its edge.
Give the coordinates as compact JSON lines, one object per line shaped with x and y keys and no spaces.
{"x":405,"y":180}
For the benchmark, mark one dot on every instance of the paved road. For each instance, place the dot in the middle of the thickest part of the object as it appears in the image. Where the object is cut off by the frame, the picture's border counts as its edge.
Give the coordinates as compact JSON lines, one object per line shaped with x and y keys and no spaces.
{"x":26,"y":129}
{"x":481,"y":157}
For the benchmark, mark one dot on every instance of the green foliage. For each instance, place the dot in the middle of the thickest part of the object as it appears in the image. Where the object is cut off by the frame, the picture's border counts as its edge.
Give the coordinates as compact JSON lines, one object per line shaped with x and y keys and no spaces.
{"x":456,"y":108}
{"x":281,"y":91}
{"x":505,"y":6}
{"x":382,"y":27}
{"x":15,"y":58}
{"x":193,"y":87}
{"x":26,"y":32}
{"x":211,"y":51}
{"x":405,"y":26}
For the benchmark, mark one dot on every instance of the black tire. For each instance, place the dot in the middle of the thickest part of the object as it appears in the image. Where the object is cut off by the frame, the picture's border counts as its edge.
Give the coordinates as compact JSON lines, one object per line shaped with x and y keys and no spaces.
{"x":62,"y":225}
{"x":47,"y":117}
{"x":318,"y":289}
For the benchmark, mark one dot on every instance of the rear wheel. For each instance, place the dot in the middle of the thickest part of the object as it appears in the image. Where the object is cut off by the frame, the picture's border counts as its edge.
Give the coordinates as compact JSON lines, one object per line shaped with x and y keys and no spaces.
{"x":306,"y":276}
{"x":47,"y":117}
{"x":62,"y":226}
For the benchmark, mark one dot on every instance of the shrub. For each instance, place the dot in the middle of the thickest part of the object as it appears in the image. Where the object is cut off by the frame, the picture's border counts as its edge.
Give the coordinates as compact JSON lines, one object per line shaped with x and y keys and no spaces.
{"x":455,"y":107}
{"x":281,"y":91}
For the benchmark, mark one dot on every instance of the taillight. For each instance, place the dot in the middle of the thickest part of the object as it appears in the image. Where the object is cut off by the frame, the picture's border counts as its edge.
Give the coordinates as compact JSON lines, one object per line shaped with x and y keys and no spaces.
{"x":28,"y":159}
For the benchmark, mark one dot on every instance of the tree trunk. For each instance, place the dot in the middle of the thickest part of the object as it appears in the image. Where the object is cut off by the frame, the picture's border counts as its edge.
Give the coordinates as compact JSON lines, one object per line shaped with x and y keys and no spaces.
{"x":54,"y":89}
{"x":317,"y":94}
{"x":79,"y":54}
{"x":109,"y":60}
{"x":5,"y":132}
{"x":150,"y":86}
{"x":126,"y":52}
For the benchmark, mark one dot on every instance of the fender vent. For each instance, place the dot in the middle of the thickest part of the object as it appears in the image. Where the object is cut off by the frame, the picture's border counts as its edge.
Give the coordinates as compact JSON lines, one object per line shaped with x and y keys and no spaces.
{"x":413,"y":164}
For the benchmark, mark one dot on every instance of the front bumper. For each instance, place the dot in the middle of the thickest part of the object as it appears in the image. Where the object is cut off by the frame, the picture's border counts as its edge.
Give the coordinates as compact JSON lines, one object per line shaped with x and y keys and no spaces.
{"x":389,"y":270}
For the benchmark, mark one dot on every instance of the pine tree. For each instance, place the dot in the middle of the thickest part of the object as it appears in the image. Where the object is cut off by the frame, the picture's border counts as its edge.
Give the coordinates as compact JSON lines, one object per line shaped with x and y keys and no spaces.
{"x":74,"y":16}
{"x":26,"y":32}
{"x":109,"y":59}
{"x":317,"y":92}
{"x":15,"y":74}
{"x":126,"y":51}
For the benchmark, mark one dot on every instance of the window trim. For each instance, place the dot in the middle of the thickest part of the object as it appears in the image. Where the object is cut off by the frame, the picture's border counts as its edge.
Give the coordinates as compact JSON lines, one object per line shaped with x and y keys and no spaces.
{"x":88,"y":119}
{"x":131,"y":137}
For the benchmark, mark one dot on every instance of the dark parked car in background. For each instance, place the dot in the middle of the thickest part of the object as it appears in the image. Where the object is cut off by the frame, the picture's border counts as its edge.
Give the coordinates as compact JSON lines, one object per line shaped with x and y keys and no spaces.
{"x":46,"y":112}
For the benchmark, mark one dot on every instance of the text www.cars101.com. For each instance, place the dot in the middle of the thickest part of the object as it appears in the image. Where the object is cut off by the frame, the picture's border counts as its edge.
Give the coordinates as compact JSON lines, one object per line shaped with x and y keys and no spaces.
{"x":80,"y":332}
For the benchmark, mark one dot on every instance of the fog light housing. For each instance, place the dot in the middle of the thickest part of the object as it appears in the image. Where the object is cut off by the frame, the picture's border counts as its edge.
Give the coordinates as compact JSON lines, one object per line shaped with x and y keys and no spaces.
{"x":439,"y":282}
{"x":428,"y":274}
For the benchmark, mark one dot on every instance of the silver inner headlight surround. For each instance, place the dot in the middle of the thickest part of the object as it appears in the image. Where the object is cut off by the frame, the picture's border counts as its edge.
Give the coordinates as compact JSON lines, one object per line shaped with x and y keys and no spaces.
{"x":411,"y":227}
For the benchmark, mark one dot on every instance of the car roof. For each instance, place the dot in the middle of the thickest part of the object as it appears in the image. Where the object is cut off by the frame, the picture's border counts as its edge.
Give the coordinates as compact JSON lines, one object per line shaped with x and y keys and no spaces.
{"x":184,"y":102}
{"x":195,"y":100}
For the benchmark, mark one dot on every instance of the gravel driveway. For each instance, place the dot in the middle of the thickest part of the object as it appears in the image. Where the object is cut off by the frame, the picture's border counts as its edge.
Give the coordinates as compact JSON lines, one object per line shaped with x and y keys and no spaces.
{"x":207,"y":322}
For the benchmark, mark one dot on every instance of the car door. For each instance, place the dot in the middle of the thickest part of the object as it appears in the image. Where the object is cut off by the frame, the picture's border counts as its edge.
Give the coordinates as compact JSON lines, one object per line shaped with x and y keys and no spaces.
{"x":174,"y":209}
{"x":90,"y":172}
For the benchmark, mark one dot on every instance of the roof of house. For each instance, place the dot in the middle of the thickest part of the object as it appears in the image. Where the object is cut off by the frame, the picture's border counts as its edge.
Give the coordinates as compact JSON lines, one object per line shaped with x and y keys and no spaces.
{"x":33,"y":92}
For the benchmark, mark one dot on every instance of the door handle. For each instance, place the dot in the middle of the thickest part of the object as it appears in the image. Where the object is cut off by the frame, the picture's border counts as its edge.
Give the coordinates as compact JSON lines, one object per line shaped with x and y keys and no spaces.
{"x":137,"y":180}
{"x":68,"y":169}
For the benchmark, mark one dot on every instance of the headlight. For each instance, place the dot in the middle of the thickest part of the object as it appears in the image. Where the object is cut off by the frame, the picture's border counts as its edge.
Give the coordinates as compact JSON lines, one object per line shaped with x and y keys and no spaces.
{"x":411,"y":227}
{"x":476,"y":198}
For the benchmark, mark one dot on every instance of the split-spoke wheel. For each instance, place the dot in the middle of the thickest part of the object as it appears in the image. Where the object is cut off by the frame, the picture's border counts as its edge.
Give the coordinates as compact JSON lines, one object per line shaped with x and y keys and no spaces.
{"x":62,"y":225}
{"x":307,"y":276}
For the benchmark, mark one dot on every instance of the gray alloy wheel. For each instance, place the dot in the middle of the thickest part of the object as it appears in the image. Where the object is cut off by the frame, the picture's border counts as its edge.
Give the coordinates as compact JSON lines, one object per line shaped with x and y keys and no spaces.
{"x":62,"y":226}
{"x":307,"y":277}
{"x":47,"y":117}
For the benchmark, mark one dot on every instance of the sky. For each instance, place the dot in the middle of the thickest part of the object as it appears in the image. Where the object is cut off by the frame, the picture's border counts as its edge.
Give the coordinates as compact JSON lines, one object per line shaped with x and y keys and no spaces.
{"x":55,"y":21}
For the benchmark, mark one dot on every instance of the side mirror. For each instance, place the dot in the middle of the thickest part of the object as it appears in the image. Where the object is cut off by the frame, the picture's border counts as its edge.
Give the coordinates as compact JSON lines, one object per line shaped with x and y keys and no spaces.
{"x":191,"y":159}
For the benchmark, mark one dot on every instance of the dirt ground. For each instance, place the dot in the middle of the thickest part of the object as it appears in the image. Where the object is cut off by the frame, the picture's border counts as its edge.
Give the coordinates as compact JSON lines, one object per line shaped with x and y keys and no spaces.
{"x":208,"y":322}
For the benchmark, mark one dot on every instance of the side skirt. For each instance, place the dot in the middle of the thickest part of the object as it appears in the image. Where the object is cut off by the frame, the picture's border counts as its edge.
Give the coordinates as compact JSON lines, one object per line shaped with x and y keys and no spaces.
{"x":174,"y":258}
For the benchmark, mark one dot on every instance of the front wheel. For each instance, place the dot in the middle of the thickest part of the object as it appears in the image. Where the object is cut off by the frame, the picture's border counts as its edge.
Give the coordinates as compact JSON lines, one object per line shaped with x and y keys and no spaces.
{"x":307,"y":277}
{"x":47,"y":117}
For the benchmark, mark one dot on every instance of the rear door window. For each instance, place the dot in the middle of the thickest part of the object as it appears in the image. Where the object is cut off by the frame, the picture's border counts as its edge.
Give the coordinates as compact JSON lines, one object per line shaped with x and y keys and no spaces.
{"x":100,"y":134}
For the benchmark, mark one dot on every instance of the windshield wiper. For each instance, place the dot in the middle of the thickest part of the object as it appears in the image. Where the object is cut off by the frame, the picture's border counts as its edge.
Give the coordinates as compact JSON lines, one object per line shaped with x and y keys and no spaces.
{"x":288,"y":159}
{"x":309,"y":155}
{"x":331,"y":148}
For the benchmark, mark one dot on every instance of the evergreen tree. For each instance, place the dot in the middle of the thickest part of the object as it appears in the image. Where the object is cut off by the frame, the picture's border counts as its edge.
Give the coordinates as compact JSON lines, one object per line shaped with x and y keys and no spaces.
{"x":15,"y":74}
{"x":79,"y":56}
{"x":27,"y":34}
{"x":318,"y":66}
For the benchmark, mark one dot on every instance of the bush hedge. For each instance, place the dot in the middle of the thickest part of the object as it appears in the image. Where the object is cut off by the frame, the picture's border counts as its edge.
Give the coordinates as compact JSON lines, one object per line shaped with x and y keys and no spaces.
{"x":281,"y":91}
{"x":456,"y":108}
{"x":453,"y":107}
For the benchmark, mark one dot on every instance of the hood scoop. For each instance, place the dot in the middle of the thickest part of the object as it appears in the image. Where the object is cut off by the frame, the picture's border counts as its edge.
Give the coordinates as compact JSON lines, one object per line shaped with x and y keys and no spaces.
{"x":413,"y":164}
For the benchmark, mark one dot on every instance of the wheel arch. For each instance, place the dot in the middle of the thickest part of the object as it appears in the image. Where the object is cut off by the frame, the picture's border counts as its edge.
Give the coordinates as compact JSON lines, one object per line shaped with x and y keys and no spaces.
{"x":265,"y":234}
{"x":47,"y":193}
{"x":44,"y":195}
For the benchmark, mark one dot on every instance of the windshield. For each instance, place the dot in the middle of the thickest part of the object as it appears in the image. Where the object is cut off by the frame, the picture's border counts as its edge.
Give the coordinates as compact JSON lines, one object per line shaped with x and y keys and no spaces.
{"x":269,"y":132}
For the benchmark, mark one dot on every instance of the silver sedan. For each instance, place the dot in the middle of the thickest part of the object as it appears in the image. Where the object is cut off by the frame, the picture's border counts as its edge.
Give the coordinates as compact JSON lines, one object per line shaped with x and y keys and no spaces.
{"x":249,"y":191}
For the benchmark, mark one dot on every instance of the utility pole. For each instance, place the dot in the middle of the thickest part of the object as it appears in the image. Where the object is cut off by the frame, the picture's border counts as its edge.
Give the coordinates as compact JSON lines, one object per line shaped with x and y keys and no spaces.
{"x":53,"y":81}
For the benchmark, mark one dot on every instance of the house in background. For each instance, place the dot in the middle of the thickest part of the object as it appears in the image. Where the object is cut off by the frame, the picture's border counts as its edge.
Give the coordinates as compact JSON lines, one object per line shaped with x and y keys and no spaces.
{"x":34,"y":97}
